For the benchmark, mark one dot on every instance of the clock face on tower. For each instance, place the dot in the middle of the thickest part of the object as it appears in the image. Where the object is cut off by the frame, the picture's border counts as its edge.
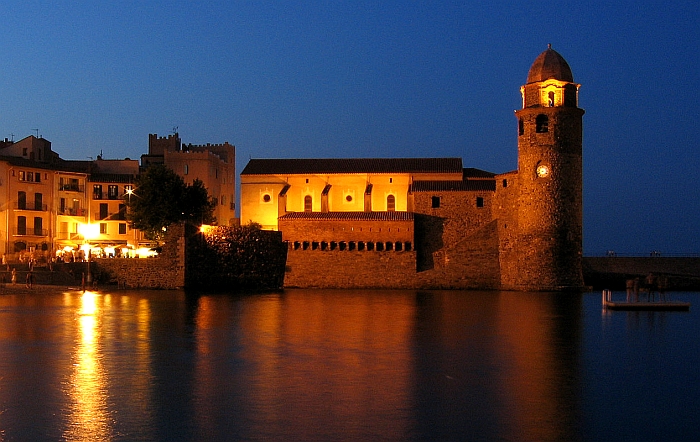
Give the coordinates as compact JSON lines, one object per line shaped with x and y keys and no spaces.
{"x":542,"y":171}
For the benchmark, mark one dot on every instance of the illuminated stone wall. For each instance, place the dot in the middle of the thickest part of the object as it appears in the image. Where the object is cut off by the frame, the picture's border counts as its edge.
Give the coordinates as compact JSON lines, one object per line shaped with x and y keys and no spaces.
{"x":453,"y":246}
{"x":167,"y":271}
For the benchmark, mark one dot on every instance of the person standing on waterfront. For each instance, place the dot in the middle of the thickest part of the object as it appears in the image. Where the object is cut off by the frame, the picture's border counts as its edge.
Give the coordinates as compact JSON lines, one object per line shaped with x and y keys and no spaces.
{"x":629,"y":285}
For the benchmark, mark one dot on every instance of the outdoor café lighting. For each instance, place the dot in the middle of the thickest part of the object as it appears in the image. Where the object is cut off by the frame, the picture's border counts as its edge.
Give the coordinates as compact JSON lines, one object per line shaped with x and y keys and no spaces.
{"x":88,"y":231}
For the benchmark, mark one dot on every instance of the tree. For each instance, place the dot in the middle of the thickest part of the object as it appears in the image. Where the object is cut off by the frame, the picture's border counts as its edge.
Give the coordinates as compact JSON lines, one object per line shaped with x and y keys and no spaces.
{"x":162,"y":198}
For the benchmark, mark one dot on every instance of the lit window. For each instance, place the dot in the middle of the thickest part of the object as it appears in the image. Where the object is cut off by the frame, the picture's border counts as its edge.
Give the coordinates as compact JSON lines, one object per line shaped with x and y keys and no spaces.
{"x":103,"y":228}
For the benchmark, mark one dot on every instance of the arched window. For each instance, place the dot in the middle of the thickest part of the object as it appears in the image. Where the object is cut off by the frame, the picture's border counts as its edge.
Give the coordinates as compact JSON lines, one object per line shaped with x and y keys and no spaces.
{"x":542,"y":124}
{"x":390,"y":203}
{"x":551,"y":99}
{"x":308,"y":203}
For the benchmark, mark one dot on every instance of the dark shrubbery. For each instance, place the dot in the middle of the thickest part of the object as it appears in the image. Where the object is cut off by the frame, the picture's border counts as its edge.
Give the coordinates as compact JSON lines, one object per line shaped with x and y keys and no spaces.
{"x":235,"y":259}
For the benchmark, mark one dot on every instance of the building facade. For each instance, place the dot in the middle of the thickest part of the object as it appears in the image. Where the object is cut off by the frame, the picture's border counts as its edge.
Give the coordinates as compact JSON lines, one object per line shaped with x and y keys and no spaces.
{"x":430,"y":222}
{"x":51,"y":207}
{"x":213,"y":164}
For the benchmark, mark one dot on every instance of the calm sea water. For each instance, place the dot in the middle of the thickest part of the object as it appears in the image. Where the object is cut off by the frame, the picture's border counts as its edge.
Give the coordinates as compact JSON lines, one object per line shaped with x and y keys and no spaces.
{"x":345,"y":365}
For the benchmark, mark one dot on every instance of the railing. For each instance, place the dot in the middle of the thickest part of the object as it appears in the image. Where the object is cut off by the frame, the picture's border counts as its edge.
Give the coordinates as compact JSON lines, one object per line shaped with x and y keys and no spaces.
{"x":72,"y":212}
{"x":651,"y":254}
{"x":29,"y":231}
{"x":69,"y":236}
{"x":71,"y":187}
{"x":116,"y":216}
{"x":34,"y":207}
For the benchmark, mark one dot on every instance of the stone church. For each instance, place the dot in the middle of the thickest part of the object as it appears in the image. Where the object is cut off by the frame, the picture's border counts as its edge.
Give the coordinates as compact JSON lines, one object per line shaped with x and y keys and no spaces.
{"x":430,"y":223}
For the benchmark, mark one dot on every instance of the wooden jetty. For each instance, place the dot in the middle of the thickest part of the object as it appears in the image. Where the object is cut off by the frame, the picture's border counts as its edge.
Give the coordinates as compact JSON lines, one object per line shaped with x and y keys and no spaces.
{"x":609,"y":304}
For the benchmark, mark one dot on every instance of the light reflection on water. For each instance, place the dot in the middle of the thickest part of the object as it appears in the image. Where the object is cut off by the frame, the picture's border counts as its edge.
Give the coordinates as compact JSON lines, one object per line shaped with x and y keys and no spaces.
{"x":88,"y":414}
{"x":341,"y":365}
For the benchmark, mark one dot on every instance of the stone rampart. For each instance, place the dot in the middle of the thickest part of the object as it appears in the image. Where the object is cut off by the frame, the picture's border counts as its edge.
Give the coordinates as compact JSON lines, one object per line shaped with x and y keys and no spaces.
{"x":470,"y":263}
{"x":167,"y":271}
{"x":150,"y":273}
{"x":350,"y":269}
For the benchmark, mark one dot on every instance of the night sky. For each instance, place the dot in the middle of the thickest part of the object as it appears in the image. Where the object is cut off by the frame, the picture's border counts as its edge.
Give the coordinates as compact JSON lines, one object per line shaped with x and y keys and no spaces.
{"x":285,"y":79}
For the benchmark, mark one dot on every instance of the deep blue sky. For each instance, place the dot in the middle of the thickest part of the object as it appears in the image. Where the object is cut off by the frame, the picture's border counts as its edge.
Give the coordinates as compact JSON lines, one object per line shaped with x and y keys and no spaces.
{"x":282,"y":79}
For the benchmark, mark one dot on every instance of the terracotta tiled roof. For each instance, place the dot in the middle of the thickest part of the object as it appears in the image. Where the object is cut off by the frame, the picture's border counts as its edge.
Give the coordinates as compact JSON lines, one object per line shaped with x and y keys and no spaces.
{"x":111,"y":178}
{"x":345,"y":216}
{"x":453,"y":186}
{"x":470,"y":172}
{"x":549,"y":64}
{"x":352,"y":165}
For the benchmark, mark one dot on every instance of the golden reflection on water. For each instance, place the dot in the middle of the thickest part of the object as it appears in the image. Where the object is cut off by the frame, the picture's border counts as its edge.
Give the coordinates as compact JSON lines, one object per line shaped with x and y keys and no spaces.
{"x":87,"y":417}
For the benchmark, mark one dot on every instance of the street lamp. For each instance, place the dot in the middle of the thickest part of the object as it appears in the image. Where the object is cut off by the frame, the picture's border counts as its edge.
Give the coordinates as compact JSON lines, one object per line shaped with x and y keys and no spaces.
{"x":88,"y":231}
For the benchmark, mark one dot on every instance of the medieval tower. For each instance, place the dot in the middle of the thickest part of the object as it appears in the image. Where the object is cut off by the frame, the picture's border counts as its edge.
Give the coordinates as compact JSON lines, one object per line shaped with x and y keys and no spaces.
{"x":550,"y":177}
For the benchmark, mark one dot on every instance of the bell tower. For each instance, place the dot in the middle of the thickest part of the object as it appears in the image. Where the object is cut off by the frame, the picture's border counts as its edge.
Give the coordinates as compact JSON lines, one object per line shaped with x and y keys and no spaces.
{"x":550,"y":178}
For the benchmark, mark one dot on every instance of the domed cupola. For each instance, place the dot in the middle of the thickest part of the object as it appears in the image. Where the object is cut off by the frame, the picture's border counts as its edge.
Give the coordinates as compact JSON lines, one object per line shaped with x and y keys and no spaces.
{"x":550,"y":65}
{"x":550,"y":82}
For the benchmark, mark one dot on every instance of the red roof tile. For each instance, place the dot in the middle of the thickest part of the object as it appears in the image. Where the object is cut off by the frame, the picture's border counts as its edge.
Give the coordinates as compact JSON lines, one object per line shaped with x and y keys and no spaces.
{"x":356,"y":216}
{"x":352,"y":165}
{"x":453,"y":186}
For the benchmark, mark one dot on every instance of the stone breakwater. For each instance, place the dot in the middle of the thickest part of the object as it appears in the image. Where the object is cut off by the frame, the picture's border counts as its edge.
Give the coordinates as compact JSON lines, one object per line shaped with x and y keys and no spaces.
{"x":612,"y":272}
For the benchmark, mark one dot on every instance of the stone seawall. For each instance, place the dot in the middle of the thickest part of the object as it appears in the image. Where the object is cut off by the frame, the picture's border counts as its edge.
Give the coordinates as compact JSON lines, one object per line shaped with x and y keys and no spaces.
{"x":151,"y":273}
{"x":471,"y":263}
{"x":167,"y":271}
{"x":350,"y":269}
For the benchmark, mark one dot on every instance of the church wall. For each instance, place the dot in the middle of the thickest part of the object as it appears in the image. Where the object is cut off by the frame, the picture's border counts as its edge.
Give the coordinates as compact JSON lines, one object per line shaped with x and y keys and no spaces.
{"x":347,"y":230}
{"x":505,"y":212}
{"x":347,"y":193}
{"x":253,"y":202}
{"x":457,"y":243}
{"x":470,"y":264}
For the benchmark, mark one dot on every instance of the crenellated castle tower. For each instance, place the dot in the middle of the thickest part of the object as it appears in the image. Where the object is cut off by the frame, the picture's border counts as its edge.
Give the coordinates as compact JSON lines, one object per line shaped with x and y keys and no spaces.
{"x":550,"y":177}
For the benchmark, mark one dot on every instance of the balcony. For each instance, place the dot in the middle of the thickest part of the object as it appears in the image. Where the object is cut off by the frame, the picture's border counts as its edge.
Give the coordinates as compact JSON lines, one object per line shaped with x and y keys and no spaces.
{"x":116,"y":216}
{"x":71,"y":187}
{"x":72,"y":236}
{"x":37,"y":206}
{"x":18,"y":231}
{"x":72,"y":211}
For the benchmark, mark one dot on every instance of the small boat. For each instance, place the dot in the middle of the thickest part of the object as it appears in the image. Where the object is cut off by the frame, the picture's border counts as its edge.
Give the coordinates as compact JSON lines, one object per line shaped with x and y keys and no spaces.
{"x":609,"y":304}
